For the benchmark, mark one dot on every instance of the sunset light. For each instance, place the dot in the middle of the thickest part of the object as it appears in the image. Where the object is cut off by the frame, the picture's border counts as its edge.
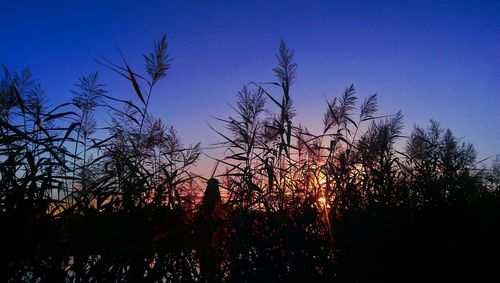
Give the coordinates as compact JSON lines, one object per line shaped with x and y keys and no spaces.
{"x":249,"y":141}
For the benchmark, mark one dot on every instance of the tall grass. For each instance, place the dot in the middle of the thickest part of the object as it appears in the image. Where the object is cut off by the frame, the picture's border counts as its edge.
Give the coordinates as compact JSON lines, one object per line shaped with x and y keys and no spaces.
{"x":84,"y":202}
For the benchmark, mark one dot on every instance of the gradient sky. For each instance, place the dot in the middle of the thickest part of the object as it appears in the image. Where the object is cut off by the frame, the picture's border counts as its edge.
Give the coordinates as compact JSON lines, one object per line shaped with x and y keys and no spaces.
{"x":430,"y":59}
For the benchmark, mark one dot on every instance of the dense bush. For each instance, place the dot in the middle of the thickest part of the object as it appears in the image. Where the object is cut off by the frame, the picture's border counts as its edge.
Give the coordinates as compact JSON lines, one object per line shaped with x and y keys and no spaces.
{"x":120,"y":203}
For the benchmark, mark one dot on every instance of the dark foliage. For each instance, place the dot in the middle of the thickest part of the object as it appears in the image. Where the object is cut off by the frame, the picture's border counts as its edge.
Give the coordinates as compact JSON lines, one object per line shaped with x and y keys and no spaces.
{"x":345,"y":205}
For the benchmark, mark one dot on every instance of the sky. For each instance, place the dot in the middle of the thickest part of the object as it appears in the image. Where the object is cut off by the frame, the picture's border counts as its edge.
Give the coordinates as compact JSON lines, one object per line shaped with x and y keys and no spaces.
{"x":430,"y":59}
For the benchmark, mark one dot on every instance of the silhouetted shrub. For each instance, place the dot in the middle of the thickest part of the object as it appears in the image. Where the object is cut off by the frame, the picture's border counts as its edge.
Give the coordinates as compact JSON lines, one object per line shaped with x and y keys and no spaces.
{"x":288,"y":205}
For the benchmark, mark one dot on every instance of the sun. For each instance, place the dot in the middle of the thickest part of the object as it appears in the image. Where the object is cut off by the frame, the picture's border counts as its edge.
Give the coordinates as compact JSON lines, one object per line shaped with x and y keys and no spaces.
{"x":322,"y":200}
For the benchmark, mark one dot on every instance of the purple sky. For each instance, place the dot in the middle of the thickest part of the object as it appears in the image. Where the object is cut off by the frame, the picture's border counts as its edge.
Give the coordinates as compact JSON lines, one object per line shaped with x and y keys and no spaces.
{"x":431,"y":59}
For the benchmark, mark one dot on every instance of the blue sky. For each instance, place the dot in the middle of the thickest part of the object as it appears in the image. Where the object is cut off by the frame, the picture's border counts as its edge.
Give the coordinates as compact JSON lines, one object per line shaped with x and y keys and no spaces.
{"x":430,"y":59}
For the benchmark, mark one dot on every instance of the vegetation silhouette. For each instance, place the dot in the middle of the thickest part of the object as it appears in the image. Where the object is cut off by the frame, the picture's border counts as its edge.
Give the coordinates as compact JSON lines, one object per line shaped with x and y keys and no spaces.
{"x":81,"y":203}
